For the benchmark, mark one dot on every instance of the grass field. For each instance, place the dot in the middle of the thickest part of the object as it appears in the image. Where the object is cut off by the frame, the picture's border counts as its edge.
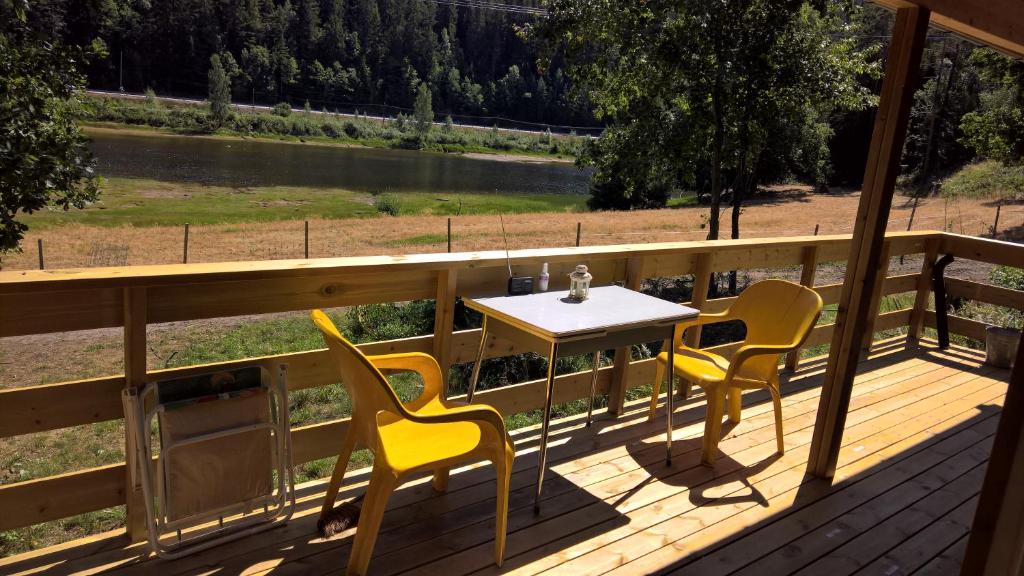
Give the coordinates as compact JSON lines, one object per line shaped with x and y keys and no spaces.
{"x":145,"y":203}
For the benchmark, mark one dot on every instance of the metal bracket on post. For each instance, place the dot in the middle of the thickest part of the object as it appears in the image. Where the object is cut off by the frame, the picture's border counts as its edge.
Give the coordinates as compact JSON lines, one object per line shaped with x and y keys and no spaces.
{"x":941,"y":303}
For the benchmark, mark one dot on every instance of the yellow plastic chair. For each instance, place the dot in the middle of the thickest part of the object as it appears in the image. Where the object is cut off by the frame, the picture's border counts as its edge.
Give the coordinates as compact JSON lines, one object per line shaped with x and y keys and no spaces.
{"x":778,"y":316}
{"x":427,"y":434}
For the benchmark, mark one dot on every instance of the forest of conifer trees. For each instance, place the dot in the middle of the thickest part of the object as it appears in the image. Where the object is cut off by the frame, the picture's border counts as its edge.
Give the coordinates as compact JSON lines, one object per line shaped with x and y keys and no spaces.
{"x":335,"y":54}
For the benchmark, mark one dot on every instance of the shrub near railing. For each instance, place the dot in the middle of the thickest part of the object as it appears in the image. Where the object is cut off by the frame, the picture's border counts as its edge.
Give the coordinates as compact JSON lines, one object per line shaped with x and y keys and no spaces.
{"x":35,"y":302}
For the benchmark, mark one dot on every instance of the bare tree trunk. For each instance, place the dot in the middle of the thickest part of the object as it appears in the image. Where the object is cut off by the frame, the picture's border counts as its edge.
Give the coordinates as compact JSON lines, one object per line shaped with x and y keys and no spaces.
{"x":716,"y":160}
{"x":940,"y":99}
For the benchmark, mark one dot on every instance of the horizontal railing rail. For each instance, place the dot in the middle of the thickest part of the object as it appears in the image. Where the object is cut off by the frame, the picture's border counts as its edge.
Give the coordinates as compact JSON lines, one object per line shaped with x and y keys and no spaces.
{"x":39,"y":302}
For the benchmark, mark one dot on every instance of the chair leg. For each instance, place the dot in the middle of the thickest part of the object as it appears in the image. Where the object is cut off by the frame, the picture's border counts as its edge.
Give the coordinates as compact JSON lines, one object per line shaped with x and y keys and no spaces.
{"x":659,"y":377}
{"x":347,"y":446}
{"x":777,"y":401}
{"x":503,"y":469}
{"x":441,"y":479}
{"x":713,"y":424}
{"x":735,"y":404}
{"x":382,"y":483}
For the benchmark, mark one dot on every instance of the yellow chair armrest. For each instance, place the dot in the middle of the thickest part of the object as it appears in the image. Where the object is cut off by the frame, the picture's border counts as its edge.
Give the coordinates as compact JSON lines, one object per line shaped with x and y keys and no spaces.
{"x":744,"y":353}
{"x":469,"y":413}
{"x":700,"y":320}
{"x":423,"y":364}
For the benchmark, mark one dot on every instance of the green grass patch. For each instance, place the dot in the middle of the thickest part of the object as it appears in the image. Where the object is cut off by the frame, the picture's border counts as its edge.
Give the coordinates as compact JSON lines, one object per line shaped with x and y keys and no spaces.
{"x":144,"y":202}
{"x":988,"y":179}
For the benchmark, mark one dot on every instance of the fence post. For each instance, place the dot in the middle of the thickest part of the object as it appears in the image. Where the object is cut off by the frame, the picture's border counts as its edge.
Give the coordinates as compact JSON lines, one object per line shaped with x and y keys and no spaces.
{"x":620,"y":367}
{"x":184,"y":252}
{"x":135,"y":377}
{"x":924,"y":282}
{"x":876,"y":297}
{"x":579,"y":232}
{"x":307,"y":238}
{"x":449,"y":235}
{"x":444,"y":322}
{"x":40,"y":244}
{"x":995,"y":225}
{"x":808,"y":269}
{"x":912,"y":212}
{"x":816,"y":229}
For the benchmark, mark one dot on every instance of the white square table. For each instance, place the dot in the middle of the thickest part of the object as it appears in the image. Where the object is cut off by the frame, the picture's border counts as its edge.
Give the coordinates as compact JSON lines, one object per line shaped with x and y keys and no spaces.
{"x":612,"y":317}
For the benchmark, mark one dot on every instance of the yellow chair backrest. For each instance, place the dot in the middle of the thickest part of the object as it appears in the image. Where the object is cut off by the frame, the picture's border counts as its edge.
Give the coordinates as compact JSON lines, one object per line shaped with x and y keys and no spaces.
{"x":776,"y":313}
{"x":366,"y":386}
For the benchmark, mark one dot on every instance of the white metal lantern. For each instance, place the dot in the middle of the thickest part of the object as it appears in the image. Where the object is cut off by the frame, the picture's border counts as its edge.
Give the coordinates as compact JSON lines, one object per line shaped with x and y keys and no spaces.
{"x":579,"y":283}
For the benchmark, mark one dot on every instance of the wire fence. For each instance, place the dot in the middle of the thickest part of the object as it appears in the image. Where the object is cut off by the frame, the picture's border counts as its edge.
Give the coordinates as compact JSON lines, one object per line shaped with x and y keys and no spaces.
{"x":83,"y":247}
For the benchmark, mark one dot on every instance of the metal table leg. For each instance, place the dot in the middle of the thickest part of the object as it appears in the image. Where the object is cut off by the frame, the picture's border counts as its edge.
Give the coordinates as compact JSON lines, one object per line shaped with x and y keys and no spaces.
{"x":671,"y":370}
{"x":479,"y":361}
{"x":549,"y":392}
{"x":593,"y":385}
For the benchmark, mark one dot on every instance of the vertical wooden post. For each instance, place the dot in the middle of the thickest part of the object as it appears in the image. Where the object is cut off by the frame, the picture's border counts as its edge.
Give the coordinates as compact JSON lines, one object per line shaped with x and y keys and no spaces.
{"x":134,"y":377}
{"x":910,"y":222}
{"x":924,"y":282}
{"x":449,"y":235}
{"x":39,"y":244}
{"x":307,"y":238}
{"x":701,"y":283}
{"x":808,"y":268}
{"x":890,"y":131}
{"x":620,"y":368}
{"x":997,"y":534}
{"x":184,"y":252}
{"x":876,"y":298}
{"x":444,"y":321}
{"x":579,"y":233}
{"x":816,"y":229}
{"x":995,"y":225}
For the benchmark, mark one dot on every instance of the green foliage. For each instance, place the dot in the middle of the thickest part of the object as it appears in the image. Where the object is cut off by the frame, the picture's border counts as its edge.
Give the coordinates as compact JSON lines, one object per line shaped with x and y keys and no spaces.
{"x":219,"y":86}
{"x":389,"y":204}
{"x":423,"y":110}
{"x":721,"y":107}
{"x":44,"y":157}
{"x":281,"y":123}
{"x":331,"y":52}
{"x":1008,"y":277}
{"x":987,"y":179}
{"x":996,"y":129}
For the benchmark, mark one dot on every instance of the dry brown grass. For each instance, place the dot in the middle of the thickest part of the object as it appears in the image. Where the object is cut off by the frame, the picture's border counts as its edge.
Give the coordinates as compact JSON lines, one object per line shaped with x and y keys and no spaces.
{"x":782,"y":214}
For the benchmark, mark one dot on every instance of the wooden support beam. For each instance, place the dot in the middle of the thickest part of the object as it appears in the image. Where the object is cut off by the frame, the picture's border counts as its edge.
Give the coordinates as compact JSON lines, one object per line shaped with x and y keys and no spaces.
{"x":876,"y":298}
{"x":703,"y":265}
{"x":890,"y":130}
{"x":620,"y":369}
{"x":444,"y":322}
{"x":996,"y":544}
{"x":808,"y":268}
{"x":135,"y":377}
{"x":924,"y":287}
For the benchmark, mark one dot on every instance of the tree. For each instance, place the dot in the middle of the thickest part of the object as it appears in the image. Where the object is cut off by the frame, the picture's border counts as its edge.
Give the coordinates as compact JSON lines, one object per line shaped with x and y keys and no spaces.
{"x":219,"y":86}
{"x":696,"y":91}
{"x":423,"y":110}
{"x":996,"y":129}
{"x":44,"y":156}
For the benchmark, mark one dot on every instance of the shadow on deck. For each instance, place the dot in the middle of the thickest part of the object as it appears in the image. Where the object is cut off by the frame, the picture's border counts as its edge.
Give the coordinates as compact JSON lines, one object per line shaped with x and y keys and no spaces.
{"x":917,"y":440}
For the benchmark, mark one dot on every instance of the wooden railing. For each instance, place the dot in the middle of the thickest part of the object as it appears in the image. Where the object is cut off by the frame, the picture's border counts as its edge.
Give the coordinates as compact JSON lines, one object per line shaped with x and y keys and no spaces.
{"x":37,"y":302}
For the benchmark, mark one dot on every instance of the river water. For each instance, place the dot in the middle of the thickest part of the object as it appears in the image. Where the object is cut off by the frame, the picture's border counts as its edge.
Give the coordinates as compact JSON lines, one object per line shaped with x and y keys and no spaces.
{"x":267,"y":163}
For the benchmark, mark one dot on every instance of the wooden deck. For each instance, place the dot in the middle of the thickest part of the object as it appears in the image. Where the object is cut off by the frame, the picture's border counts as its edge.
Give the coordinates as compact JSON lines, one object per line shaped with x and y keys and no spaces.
{"x":917,"y":441}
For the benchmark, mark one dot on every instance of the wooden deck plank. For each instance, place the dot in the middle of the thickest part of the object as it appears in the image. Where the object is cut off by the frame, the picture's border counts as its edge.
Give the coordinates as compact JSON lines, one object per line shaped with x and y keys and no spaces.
{"x":614,"y":504}
{"x":439,"y":514}
{"x":948,"y":562}
{"x":919,"y":549}
{"x":720,"y":497}
{"x":917,"y":437}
